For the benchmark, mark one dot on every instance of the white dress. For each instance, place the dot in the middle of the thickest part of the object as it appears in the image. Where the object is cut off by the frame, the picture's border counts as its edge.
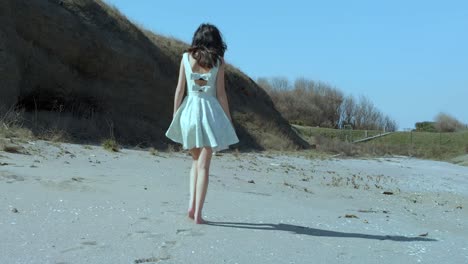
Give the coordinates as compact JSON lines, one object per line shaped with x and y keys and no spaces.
{"x":200,"y":121}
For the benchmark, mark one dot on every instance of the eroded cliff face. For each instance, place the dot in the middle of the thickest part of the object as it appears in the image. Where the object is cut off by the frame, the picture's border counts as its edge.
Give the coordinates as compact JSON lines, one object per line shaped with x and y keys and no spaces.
{"x":9,"y":68}
{"x":81,"y":67}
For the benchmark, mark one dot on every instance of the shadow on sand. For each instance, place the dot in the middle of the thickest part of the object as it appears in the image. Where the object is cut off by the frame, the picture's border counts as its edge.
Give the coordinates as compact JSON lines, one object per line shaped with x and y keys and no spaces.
{"x":302,"y":230}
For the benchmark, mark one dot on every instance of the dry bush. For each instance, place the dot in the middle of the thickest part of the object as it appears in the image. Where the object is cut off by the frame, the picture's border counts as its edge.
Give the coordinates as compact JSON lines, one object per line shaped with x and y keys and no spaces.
{"x":266,"y":133}
{"x":271,"y":141}
{"x":153,"y":151}
{"x":337,"y":146}
{"x":173,"y":148}
{"x":11,"y":125}
{"x":366,"y":116}
{"x":54,"y":135}
{"x":447,"y":123}
{"x":111,"y":145}
{"x":304,"y":102}
{"x":312,"y":103}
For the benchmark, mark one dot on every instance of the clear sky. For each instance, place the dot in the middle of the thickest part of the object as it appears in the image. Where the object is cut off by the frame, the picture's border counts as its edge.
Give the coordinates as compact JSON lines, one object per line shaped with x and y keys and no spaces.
{"x":410,"y":58}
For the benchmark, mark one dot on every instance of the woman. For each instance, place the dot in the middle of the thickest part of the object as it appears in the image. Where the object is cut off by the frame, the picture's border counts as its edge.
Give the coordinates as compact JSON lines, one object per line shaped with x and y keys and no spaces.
{"x":202,"y":122}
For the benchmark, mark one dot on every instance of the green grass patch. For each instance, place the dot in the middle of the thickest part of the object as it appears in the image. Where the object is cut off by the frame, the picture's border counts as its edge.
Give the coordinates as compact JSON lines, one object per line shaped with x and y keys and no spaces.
{"x":347,"y":135}
{"x":438,"y":146}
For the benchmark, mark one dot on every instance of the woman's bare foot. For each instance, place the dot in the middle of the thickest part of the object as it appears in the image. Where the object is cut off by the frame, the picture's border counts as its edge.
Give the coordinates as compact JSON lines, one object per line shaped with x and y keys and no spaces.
{"x":191,"y":213}
{"x":199,"y":221}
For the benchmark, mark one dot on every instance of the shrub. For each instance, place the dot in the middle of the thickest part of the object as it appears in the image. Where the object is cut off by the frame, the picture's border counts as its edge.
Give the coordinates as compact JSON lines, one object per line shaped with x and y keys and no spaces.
{"x":426,"y":126}
{"x":111,"y":145}
{"x":447,"y":123}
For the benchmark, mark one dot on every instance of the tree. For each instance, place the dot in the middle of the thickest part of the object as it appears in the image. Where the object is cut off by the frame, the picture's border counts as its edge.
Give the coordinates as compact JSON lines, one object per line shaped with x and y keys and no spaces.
{"x":319,"y":104}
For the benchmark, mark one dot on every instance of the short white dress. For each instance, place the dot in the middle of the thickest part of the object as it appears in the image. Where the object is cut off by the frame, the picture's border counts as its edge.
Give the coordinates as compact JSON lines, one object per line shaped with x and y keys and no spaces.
{"x":200,"y":121}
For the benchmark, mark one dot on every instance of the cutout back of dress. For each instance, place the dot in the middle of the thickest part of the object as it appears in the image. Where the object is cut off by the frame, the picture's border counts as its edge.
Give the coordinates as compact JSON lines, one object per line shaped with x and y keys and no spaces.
{"x":209,"y":78}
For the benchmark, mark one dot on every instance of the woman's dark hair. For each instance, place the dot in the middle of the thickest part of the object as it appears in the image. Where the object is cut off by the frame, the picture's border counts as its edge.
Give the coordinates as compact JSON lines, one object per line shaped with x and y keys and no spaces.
{"x":207,"y":46}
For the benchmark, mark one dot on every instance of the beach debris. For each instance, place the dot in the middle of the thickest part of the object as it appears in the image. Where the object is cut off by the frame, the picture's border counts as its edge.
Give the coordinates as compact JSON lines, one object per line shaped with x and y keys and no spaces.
{"x":367,"y":211}
{"x":443,"y":203}
{"x":146,"y":188}
{"x":69,"y":153}
{"x":4,"y":163}
{"x":365,"y":221}
{"x":14,"y":210}
{"x":251,"y":181}
{"x":146,"y":260}
{"x":77,"y":179}
{"x":178,"y":231}
{"x":424,"y":235}
{"x":15,"y":149}
{"x":388,"y":193}
{"x":350,"y":216}
{"x":459,"y":207}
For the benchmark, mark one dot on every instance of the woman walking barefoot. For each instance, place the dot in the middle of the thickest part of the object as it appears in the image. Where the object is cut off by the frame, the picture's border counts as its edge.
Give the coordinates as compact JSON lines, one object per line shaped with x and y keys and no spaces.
{"x":201,"y":121}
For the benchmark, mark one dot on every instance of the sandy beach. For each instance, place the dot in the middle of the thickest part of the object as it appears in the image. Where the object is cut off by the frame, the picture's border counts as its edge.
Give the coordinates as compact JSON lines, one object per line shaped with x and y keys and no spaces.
{"x":65,"y":203}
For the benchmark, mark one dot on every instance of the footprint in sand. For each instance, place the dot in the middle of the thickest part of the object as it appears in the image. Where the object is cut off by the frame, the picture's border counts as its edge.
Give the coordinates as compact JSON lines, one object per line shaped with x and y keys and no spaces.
{"x":152,"y":259}
{"x":146,"y":234}
{"x":73,"y":184}
{"x":77,"y":179}
{"x":165,"y":246}
{"x":89,"y":243}
{"x":9,"y":178}
{"x":84,"y":244}
{"x":188,"y":232}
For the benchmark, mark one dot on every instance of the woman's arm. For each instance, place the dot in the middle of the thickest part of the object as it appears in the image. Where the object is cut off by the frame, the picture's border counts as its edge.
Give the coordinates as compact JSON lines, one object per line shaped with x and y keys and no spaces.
{"x":180,"y":89}
{"x":221,"y":90}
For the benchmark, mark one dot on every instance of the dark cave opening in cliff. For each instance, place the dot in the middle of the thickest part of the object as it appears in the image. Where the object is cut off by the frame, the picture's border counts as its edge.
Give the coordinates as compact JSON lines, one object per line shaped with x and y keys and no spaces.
{"x":45,"y":100}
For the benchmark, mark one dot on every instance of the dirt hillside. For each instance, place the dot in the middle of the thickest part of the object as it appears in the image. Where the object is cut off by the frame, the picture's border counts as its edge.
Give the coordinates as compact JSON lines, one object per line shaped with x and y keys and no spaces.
{"x":81,"y":67}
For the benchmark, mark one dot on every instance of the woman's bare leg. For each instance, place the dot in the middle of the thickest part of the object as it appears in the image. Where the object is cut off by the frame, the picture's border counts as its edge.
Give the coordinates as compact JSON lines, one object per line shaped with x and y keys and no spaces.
{"x":193,"y":181}
{"x":202,"y":182}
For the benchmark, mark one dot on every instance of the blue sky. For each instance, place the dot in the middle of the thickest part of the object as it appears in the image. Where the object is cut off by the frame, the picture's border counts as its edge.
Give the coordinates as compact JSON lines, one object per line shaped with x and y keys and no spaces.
{"x":410,"y":58}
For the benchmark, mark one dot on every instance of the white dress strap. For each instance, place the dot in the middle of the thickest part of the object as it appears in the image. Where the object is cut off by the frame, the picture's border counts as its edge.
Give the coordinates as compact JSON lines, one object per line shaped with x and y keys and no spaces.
{"x":186,"y":61}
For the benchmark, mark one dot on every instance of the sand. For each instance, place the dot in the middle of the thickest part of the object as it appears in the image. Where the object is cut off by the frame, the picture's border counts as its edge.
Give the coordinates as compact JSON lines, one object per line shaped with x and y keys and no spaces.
{"x":66,"y":203}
